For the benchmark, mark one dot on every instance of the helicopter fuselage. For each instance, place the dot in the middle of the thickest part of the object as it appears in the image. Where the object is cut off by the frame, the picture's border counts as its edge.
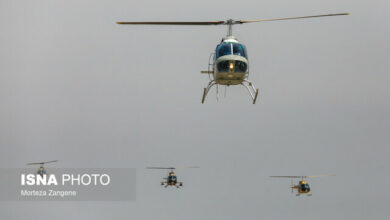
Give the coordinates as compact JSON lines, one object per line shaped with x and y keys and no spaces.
{"x":230,"y":70}
{"x":171,"y":180}
{"x":230,"y":65}
{"x":302,"y":188}
{"x":41,"y":171}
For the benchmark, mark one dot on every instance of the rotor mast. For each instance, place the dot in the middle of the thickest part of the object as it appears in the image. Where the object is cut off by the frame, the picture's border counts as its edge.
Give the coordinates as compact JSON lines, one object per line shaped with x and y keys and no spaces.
{"x":229,"y":23}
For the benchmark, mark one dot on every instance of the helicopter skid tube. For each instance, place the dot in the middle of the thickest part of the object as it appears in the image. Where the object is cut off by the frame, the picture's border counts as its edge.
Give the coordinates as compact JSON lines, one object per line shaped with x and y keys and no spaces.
{"x":206,"y":90}
{"x":253,"y":92}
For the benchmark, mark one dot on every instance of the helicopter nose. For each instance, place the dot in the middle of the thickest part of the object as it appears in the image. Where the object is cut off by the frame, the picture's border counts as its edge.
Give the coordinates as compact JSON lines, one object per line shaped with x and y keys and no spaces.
{"x":232,"y":66}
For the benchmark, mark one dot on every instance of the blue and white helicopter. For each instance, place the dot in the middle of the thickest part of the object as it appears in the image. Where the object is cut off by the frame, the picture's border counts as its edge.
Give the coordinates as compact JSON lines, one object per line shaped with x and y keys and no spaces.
{"x":229,"y":64}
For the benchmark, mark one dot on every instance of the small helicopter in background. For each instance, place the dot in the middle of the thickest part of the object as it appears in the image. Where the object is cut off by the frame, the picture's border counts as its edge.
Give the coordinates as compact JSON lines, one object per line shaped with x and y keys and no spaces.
{"x":42,"y":170}
{"x":302,"y":187}
{"x":171,"y":179}
{"x":229,"y":64}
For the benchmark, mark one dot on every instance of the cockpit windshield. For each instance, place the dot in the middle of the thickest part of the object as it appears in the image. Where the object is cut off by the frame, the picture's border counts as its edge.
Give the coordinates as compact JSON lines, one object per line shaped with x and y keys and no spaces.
{"x":240,"y":50}
{"x":172,"y":178}
{"x":230,"y":49}
{"x":223,"y":49}
{"x":305,"y":187}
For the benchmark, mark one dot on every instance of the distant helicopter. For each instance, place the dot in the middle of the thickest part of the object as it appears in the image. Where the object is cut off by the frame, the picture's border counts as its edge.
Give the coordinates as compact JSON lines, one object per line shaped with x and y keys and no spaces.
{"x":302,"y":187}
{"x":42,"y":170}
{"x":229,"y":64}
{"x":171,"y":179}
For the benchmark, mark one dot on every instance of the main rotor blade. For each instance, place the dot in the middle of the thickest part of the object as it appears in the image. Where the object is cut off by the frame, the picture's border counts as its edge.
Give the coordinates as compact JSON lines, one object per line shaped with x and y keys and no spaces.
{"x":171,"y":22}
{"x":52,"y":161}
{"x":166,"y":168}
{"x":305,"y":176}
{"x":187,"y":167}
{"x":172,"y":168}
{"x":41,"y":163}
{"x":320,"y":175}
{"x":287,"y":176}
{"x":291,"y":18}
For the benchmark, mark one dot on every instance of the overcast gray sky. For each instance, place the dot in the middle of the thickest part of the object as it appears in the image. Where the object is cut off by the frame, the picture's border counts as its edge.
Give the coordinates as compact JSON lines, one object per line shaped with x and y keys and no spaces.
{"x":76,"y":87}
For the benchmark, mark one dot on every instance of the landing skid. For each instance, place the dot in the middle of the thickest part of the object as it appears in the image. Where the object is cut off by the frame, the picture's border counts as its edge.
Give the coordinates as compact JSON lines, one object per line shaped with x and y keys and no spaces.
{"x":207,"y":89}
{"x":178,"y":185}
{"x":253,"y":92}
{"x":251,"y":89}
{"x":309,"y":194}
